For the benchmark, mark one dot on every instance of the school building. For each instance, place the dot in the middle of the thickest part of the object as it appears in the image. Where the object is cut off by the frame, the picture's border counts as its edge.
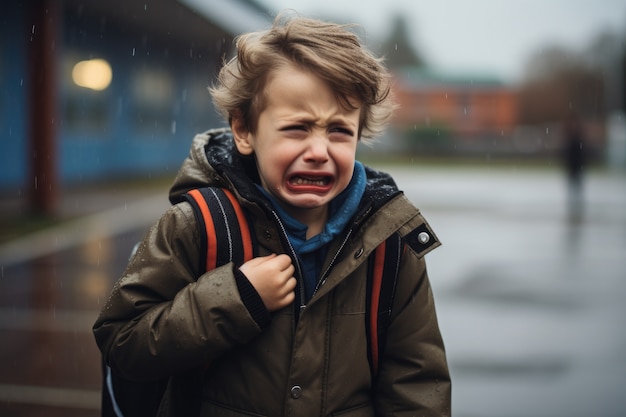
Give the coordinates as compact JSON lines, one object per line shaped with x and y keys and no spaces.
{"x":93,"y":90}
{"x":451,"y":113}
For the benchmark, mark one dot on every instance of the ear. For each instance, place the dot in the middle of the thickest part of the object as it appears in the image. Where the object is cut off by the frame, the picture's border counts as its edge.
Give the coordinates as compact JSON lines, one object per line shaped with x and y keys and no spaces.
{"x":242,"y":136}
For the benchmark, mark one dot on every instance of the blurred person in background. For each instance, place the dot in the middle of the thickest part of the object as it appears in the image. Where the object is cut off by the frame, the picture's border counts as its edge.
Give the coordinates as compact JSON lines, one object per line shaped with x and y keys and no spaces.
{"x":574,"y":156}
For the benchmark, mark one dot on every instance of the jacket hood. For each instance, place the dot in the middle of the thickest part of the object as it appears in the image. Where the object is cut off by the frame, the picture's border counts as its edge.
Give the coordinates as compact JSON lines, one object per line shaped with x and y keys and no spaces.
{"x":214,"y":161}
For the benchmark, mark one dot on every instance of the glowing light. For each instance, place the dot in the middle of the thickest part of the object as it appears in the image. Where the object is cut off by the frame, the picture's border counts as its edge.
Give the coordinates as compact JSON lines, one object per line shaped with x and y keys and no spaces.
{"x":95,"y":74}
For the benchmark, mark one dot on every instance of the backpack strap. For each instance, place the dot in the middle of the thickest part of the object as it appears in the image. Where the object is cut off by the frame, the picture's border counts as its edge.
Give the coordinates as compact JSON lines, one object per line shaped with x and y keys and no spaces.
{"x":382,"y":275}
{"x":224,"y":231}
{"x":224,"y":237}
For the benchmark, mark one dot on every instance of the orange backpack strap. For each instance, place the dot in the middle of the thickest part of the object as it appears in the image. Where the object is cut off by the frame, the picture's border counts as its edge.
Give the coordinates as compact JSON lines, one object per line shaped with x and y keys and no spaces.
{"x":383,"y":268}
{"x":224,"y":230}
{"x":224,"y":237}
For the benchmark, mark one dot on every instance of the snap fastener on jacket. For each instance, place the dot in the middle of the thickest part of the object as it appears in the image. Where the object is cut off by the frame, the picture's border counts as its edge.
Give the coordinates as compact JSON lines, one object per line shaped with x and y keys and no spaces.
{"x":423,"y":237}
{"x":296,"y":392}
{"x":267,"y":234}
{"x":358,"y":253}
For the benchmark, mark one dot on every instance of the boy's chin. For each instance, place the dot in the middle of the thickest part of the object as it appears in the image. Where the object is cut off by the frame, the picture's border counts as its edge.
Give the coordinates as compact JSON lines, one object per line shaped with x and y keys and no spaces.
{"x":307,"y":202}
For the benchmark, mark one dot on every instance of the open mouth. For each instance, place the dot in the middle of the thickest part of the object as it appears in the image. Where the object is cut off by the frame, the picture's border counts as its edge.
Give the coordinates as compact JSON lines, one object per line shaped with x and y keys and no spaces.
{"x":310,"y":183}
{"x":319,"y":181}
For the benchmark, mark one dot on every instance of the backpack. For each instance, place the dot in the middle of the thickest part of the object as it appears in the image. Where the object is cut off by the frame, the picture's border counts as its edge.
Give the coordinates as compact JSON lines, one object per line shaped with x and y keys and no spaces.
{"x":226,"y":237}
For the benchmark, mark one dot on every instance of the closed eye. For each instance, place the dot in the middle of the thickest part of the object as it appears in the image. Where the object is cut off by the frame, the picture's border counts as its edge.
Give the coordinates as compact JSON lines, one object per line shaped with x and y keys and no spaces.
{"x":342,"y":130}
{"x":293,"y":127}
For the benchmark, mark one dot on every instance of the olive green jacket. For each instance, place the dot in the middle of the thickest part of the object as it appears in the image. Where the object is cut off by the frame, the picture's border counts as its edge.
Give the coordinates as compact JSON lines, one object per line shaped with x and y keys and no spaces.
{"x":225,"y":356}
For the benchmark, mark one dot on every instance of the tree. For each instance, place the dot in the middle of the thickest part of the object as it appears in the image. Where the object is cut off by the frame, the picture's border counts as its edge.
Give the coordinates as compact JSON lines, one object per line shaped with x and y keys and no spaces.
{"x":398,"y":48}
{"x":605,"y":53}
{"x":560,"y":82}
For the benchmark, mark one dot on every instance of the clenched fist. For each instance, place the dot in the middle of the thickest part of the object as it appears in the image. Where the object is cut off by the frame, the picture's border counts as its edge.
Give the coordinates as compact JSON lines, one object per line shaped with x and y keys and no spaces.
{"x":272,"y":277}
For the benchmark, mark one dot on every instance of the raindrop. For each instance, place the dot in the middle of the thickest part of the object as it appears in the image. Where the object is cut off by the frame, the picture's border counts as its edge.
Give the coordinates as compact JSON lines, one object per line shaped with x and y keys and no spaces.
{"x":396,"y":46}
{"x":133,"y":51}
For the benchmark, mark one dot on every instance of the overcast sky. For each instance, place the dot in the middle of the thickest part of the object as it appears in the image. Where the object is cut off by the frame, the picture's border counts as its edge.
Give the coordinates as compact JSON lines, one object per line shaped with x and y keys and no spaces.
{"x":489,"y":37}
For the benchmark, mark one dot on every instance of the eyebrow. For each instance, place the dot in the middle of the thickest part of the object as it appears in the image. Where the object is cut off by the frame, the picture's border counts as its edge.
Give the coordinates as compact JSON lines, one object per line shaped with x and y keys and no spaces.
{"x":310,"y":120}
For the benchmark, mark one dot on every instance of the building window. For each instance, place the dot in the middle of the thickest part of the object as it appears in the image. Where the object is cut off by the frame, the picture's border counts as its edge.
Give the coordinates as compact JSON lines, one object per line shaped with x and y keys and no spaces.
{"x":153,"y":98}
{"x":463,"y":106}
{"x":87,"y":113}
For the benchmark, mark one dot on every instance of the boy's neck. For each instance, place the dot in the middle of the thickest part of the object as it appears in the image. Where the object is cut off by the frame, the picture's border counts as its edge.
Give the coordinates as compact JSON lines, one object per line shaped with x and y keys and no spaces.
{"x":315,"y":219}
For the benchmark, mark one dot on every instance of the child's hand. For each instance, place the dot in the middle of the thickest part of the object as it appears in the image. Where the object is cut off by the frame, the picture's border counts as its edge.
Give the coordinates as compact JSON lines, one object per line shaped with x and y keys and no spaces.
{"x":272,"y":277}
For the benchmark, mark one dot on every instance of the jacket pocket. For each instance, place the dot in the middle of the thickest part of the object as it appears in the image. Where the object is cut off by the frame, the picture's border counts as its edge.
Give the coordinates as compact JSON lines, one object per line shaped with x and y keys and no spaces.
{"x":211,"y":409}
{"x":363,"y":410}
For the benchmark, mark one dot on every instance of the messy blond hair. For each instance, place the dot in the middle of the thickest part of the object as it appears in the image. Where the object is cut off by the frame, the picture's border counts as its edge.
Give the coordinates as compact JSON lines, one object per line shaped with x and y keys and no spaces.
{"x":331,"y":51}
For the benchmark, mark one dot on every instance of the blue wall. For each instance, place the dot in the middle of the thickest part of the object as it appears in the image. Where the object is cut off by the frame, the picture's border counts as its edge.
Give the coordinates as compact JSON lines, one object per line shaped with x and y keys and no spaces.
{"x":118,"y":132}
{"x":13,"y":145}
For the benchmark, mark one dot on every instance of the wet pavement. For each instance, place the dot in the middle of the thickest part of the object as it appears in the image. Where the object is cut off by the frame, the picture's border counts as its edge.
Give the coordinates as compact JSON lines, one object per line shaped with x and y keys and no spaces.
{"x":530,"y":298}
{"x":48,"y":360}
{"x":530,"y":294}
{"x":52,"y":285}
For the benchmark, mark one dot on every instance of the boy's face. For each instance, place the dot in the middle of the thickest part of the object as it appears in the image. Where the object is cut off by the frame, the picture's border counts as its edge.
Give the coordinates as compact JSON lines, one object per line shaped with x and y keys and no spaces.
{"x":305,"y":142}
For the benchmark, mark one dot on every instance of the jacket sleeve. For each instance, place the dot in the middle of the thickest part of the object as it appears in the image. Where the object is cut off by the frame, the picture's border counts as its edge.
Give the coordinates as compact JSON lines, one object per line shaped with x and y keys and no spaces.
{"x":413,"y":377}
{"x":163,"y":316}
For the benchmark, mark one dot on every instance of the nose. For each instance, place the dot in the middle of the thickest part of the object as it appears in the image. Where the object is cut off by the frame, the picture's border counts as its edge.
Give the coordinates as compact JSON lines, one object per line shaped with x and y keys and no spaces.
{"x":317,"y":149}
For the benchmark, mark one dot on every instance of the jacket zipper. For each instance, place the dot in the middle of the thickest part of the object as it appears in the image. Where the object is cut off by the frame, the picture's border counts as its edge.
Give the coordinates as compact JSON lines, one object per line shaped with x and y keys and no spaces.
{"x":322,"y":280}
{"x":294,"y":257}
{"x":297,"y":261}
{"x":355,"y":225}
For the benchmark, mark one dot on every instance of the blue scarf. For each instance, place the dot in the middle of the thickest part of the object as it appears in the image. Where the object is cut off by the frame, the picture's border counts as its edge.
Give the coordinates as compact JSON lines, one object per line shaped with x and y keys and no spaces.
{"x":312,"y":252}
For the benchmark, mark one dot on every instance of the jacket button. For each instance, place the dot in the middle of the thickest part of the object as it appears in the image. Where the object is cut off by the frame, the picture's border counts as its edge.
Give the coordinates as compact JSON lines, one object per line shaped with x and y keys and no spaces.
{"x":423,"y":237}
{"x":268,"y":235}
{"x":358,"y":253}
{"x":296,"y":392}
